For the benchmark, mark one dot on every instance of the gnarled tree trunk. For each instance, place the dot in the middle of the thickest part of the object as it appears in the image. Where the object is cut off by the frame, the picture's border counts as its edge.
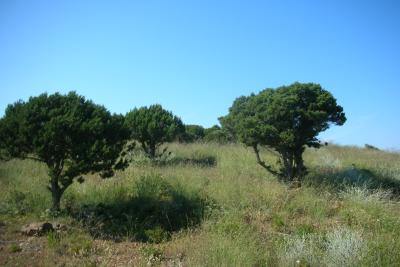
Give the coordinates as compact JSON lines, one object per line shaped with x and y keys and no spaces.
{"x":56,"y":193}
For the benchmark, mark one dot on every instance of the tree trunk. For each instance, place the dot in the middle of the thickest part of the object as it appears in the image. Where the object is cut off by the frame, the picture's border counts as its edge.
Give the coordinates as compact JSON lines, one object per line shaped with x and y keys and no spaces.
{"x":152,"y":151}
{"x":300,"y":168}
{"x":149,"y":149}
{"x":56,"y":193}
{"x":55,"y":170}
{"x":56,"y":197}
{"x":288,"y":168}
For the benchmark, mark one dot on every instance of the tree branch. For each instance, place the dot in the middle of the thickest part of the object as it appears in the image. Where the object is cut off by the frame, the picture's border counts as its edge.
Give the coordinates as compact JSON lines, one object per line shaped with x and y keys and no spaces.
{"x":33,"y":158}
{"x":262,"y":163}
{"x":145,"y":147}
{"x":272,"y":151}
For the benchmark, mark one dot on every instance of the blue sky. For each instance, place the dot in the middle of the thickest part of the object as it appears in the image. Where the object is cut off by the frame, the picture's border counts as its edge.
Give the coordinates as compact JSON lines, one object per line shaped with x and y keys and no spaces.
{"x":196,"y":57}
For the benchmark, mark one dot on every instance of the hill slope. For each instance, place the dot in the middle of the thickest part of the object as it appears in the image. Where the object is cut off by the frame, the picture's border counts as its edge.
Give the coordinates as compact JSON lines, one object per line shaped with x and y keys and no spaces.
{"x":211,"y":205}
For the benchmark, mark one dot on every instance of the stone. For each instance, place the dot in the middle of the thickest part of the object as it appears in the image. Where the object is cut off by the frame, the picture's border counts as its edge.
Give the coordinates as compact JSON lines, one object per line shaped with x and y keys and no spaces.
{"x":59,"y":227}
{"x":37,"y":229}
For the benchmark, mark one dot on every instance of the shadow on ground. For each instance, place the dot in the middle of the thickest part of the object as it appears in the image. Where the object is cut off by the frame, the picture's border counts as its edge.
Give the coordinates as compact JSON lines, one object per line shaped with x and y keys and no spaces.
{"x":155,"y":211}
{"x":200,"y":161}
{"x":352,"y":176}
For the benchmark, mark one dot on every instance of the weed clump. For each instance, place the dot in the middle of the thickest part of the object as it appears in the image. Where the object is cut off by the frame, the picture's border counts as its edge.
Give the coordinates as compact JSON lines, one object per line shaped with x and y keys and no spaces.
{"x":15,"y":248}
{"x":73,"y":244}
{"x":340,"y":247}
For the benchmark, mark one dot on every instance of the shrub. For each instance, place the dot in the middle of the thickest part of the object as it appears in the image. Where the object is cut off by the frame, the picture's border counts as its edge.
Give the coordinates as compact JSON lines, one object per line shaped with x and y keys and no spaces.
{"x":344,"y":248}
{"x":152,"y":126}
{"x":217,"y":135}
{"x":340,"y":247}
{"x":71,"y":135}
{"x":371,"y":147}
{"x":285,"y":120}
{"x":193,"y":133}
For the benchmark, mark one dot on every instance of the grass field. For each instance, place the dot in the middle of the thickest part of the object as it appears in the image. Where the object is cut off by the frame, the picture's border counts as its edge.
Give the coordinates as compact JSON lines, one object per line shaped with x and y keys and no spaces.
{"x":211,"y":205}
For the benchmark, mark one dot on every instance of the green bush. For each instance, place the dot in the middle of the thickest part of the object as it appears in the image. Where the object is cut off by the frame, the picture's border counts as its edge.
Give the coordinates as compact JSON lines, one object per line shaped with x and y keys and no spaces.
{"x":72,"y":136}
{"x":218,"y":135}
{"x":371,"y":147}
{"x":152,"y":126}
{"x":286,"y":120}
{"x":193,"y":133}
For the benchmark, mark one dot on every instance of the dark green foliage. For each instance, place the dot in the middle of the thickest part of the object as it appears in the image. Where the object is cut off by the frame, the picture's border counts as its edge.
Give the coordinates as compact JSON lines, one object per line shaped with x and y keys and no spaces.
{"x":367,"y":146}
{"x":218,"y":135}
{"x":193,"y":133}
{"x":152,"y":126}
{"x":286,"y":120}
{"x":71,"y":135}
{"x":156,"y":209}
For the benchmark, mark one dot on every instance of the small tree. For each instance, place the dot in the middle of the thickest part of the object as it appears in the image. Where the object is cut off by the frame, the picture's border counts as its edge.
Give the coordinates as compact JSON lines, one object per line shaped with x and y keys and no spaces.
{"x":69,"y":134}
{"x":152,"y":126}
{"x":285,"y":120}
{"x":193,"y":133}
{"x":216,"y":134}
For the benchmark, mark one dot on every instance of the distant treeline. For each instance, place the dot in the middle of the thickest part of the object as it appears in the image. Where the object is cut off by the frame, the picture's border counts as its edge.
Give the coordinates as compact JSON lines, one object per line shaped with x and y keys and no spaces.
{"x":215,"y":134}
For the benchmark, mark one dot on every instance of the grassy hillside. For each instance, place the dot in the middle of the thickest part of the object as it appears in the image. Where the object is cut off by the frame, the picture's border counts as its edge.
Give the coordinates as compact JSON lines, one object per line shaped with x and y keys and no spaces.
{"x":211,"y":205}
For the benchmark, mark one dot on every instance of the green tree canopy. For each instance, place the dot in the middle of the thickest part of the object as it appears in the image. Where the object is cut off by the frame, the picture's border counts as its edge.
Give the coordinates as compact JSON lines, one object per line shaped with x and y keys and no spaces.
{"x":152,"y":126}
{"x":71,"y":135}
{"x":285,"y":120}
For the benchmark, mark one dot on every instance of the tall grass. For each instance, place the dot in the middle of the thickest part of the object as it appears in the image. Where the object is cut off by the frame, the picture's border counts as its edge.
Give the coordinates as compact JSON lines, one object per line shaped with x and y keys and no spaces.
{"x":346,"y":213}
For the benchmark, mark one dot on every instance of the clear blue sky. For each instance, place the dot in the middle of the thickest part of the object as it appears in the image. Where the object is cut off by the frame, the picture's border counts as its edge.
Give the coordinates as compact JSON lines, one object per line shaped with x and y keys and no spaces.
{"x":196,"y":57}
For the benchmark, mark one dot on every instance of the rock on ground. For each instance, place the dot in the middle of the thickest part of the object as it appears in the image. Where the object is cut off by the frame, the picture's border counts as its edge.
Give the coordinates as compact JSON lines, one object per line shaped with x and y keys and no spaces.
{"x":41,"y":228}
